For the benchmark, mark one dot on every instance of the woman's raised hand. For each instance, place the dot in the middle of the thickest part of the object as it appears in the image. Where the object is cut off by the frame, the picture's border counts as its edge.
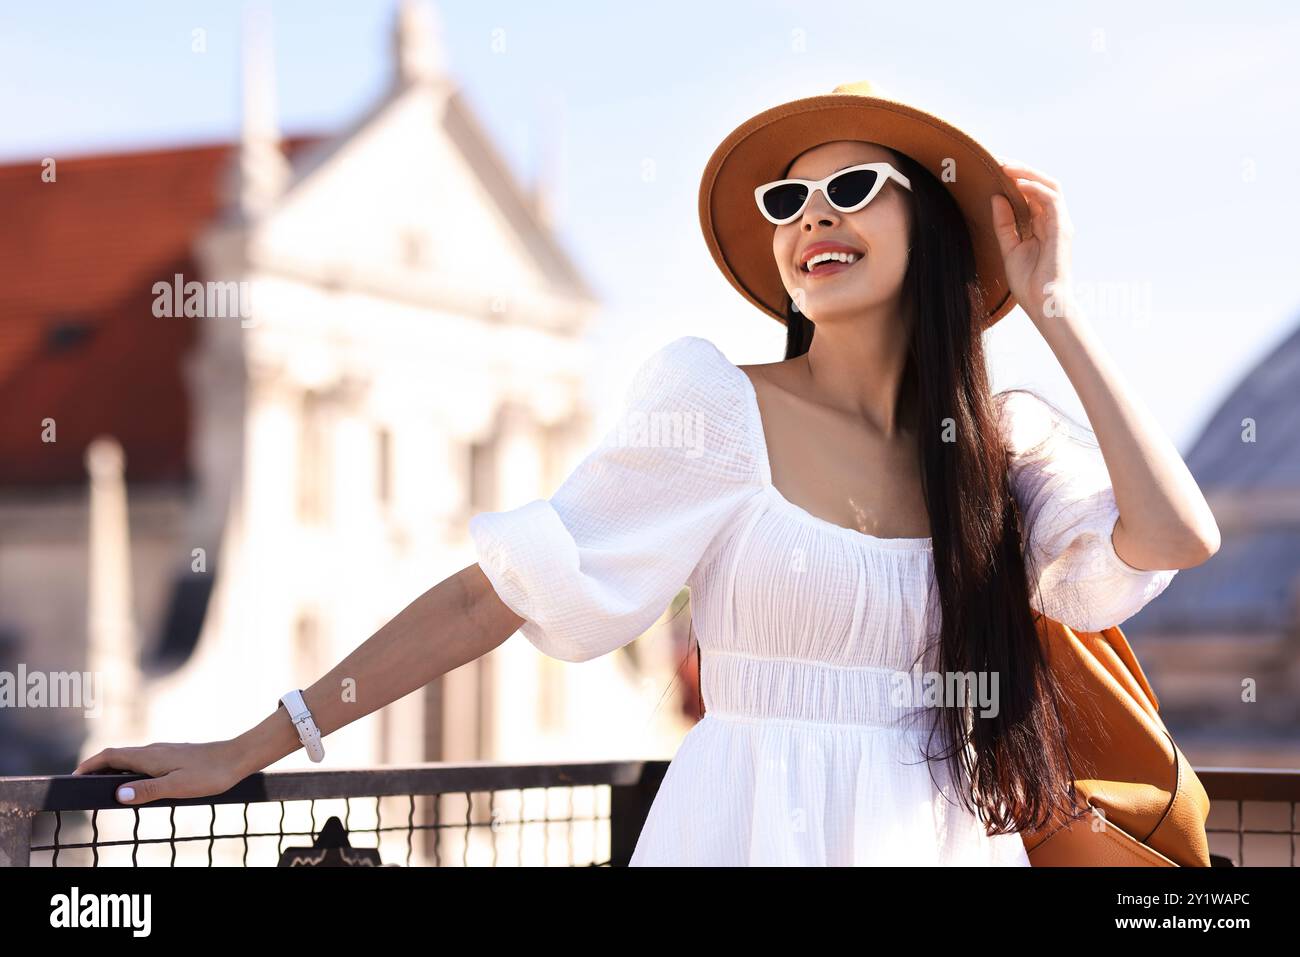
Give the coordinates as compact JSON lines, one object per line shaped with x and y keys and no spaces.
{"x":1038,"y":268}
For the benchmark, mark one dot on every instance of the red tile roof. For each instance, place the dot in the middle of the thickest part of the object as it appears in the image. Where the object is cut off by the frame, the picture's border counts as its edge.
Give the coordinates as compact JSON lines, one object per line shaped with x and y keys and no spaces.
{"x":79,"y":343}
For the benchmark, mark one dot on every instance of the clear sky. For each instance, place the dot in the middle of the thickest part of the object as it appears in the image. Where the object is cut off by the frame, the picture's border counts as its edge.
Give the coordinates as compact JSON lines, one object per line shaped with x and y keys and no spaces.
{"x":1172,"y":127}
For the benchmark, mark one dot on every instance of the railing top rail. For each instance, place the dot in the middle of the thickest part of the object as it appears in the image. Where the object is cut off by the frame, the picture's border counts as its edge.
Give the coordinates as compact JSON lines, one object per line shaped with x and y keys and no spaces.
{"x":1250,"y":784}
{"x":85,"y":792}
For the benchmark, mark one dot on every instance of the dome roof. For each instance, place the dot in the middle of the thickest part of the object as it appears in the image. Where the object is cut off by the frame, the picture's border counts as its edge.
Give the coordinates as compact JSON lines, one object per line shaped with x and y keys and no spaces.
{"x":1267,"y":395}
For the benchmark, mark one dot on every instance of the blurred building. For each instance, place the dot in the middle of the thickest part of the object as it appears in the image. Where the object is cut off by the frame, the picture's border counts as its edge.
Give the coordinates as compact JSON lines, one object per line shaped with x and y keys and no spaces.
{"x":1222,"y":644}
{"x":310,"y":361}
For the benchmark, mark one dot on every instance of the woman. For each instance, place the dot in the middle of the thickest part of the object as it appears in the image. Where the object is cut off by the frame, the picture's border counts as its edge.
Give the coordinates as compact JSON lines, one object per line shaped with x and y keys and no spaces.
{"x":854,"y":522}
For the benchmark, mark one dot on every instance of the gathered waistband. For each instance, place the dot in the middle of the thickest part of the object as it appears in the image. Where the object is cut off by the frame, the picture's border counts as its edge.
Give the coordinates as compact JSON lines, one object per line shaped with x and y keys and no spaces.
{"x":738,"y":685}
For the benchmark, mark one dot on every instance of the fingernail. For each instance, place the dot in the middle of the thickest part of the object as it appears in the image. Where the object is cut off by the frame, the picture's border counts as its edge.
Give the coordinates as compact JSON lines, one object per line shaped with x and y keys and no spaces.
{"x":126,"y":794}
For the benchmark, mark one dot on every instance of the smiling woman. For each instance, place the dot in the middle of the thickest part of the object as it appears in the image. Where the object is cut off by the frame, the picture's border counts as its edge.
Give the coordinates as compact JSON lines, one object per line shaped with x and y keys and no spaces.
{"x":918,"y":241}
{"x":887,"y":340}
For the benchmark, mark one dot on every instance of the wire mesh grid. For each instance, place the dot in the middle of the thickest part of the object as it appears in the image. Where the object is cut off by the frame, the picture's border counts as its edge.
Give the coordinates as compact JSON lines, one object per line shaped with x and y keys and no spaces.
{"x":550,"y":826}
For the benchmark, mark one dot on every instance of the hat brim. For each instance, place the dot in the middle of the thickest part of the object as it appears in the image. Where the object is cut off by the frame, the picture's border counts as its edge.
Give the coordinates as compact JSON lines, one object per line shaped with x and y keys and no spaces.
{"x":760,"y":149}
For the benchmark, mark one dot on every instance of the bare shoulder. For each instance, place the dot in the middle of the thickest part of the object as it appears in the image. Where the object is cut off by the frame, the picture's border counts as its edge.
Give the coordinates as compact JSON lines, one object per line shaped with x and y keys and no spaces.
{"x":752,"y":371}
{"x":771,"y":374}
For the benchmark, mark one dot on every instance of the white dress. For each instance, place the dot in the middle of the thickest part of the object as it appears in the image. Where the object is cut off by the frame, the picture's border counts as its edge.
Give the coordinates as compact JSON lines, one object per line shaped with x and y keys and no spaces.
{"x":806,"y":755}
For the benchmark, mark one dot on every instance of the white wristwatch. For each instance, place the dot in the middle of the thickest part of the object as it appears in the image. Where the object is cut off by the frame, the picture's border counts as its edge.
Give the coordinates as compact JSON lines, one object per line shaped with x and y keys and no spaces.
{"x":308,"y":733}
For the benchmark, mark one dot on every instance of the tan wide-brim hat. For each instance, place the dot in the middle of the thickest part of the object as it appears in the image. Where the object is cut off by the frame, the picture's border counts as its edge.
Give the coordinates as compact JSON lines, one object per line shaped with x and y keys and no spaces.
{"x":760,"y":149}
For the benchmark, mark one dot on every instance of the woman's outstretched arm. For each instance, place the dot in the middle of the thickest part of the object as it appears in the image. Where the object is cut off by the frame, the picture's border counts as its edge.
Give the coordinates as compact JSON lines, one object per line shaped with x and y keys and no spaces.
{"x":455,"y":622}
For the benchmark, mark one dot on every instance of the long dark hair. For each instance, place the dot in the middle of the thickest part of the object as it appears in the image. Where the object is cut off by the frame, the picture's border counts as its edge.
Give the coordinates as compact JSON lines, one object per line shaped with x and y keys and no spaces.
{"x":1017,"y":768}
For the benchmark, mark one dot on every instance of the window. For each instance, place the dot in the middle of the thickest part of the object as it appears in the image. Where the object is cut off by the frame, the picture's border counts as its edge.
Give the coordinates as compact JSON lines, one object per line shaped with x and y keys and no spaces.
{"x":415,"y":249}
{"x":482,"y":476}
{"x":68,"y":333}
{"x":308,"y":649}
{"x":384,"y":465}
{"x":313,"y":460}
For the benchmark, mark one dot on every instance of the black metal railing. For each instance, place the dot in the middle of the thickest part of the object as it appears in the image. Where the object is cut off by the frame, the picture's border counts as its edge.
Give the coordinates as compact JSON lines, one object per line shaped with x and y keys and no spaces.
{"x":430,"y":814}
{"x":1252,"y":818}
{"x":473,"y":814}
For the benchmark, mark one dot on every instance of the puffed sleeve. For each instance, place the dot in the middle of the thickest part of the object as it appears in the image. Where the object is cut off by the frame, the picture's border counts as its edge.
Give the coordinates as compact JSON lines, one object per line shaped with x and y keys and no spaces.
{"x":1068,"y":507}
{"x":593,"y":566}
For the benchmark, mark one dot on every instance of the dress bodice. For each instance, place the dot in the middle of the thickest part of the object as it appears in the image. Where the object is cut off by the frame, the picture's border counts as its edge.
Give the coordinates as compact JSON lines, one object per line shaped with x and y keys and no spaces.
{"x":680,"y":492}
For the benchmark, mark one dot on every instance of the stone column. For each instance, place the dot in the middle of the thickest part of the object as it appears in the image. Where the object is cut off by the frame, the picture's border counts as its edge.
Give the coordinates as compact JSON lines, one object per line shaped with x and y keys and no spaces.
{"x":113,"y":650}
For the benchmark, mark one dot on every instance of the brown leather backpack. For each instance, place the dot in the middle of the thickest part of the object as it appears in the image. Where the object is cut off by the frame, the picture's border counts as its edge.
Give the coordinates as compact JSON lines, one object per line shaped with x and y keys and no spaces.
{"x":1141,"y":803}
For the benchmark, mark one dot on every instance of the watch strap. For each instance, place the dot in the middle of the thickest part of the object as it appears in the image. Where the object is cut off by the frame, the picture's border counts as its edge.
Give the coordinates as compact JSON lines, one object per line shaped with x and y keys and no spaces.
{"x":300,"y":715}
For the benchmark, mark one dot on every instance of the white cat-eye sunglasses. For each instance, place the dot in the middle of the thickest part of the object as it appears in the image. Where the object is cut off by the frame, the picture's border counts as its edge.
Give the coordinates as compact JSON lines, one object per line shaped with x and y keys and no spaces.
{"x":848,"y":190}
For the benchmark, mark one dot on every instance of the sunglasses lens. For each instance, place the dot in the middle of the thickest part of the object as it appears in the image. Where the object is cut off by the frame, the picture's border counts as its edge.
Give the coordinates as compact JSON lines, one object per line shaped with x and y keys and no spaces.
{"x":782,"y":202}
{"x":849,"y":189}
